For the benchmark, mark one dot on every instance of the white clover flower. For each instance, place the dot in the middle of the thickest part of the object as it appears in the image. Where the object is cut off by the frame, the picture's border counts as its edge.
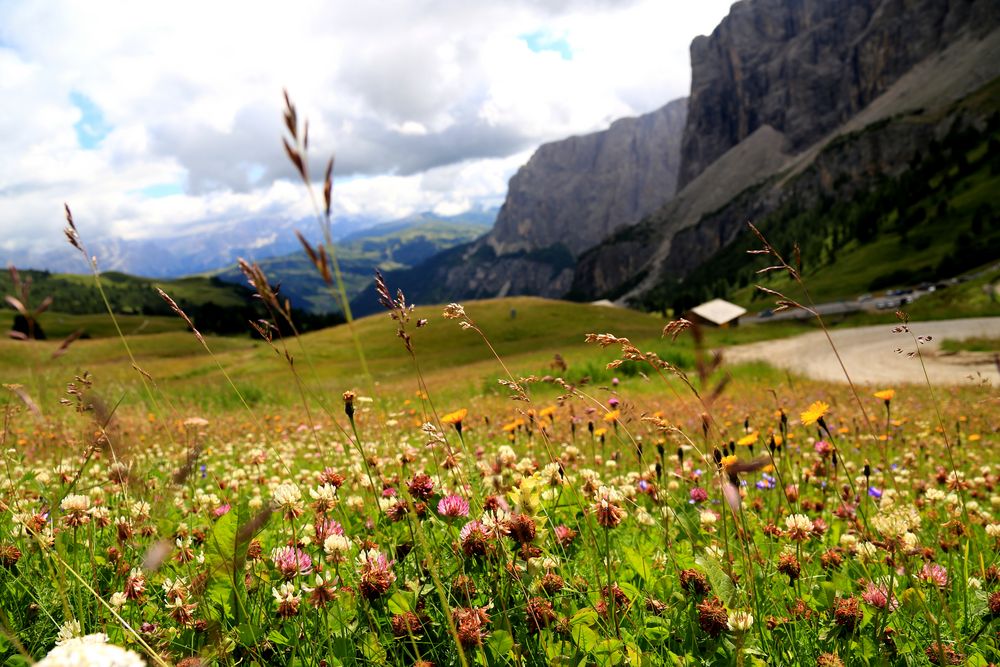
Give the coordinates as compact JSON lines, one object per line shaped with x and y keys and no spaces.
{"x":327,"y":493}
{"x":740,"y":621}
{"x":68,"y":630}
{"x":714,"y":551}
{"x":849,"y":542}
{"x":336,"y":544}
{"x":140,"y":509}
{"x":993,"y":530}
{"x":287,"y":496}
{"x":75,"y":503}
{"x":90,"y":651}
{"x":708,"y":519}
{"x":867,"y":551}
{"x":118,"y":600}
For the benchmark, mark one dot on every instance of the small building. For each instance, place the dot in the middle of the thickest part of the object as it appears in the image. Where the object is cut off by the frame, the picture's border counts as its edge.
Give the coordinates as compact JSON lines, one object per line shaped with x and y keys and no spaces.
{"x":717,"y":313}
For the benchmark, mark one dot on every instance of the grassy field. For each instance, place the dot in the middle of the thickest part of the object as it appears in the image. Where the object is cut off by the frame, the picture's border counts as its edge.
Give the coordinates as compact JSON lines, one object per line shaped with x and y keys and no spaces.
{"x":627,"y":516}
{"x":453,"y":361}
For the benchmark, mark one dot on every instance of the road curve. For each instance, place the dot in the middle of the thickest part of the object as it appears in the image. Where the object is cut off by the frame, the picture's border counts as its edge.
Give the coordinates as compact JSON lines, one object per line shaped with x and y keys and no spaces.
{"x":869,"y":353}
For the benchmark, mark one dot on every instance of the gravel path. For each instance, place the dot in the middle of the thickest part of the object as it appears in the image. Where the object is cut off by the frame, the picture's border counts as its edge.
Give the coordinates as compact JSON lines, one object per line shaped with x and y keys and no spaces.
{"x":870,"y":357}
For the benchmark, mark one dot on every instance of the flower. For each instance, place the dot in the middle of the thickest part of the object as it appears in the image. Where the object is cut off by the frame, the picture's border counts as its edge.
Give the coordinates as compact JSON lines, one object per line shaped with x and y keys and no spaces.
{"x":77,"y":510}
{"x":935,"y":574}
{"x":799,"y":527}
{"x":815,"y":413}
{"x":877,"y":595}
{"x":291,"y":561}
{"x":740,"y":621}
{"x":469,"y":622}
{"x":474,"y":538}
{"x":712,"y":616}
{"x":612,"y":415}
{"x":288,"y":600}
{"x":885,"y":395}
{"x":455,"y":417}
{"x":336,"y":544}
{"x":453,"y":507}
{"x":376,"y":573}
{"x":421,"y":486}
{"x":289,"y":499}
{"x":90,"y":651}
{"x":748,"y":439}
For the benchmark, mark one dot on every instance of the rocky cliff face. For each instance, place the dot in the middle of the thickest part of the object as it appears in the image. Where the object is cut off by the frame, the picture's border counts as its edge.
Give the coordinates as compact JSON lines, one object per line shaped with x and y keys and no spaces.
{"x":572,"y":194}
{"x":577,"y":191}
{"x":777,"y":83}
{"x":804,"y":67}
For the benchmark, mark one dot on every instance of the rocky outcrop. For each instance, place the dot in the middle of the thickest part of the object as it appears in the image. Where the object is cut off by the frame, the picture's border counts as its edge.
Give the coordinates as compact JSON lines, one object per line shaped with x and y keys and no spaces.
{"x":577,"y":191}
{"x":568,"y":197}
{"x":756,"y":121}
{"x":804,"y":67}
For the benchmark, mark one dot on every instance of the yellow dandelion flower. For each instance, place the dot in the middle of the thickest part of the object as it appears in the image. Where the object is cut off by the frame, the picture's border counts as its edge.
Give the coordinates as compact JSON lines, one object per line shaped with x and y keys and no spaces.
{"x":612,"y":415}
{"x":509,"y":427}
{"x":547,"y":412}
{"x":748,"y":439}
{"x":815,"y":412}
{"x":599,"y":432}
{"x":885,"y":395}
{"x":455,"y":417}
{"x":975,"y":437}
{"x":728,"y":460}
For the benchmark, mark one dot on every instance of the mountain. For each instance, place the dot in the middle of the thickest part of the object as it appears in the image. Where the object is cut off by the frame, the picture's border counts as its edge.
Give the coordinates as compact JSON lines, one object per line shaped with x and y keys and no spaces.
{"x":196,"y":248}
{"x":796,"y":108}
{"x":569,"y":196}
{"x":396,"y":245}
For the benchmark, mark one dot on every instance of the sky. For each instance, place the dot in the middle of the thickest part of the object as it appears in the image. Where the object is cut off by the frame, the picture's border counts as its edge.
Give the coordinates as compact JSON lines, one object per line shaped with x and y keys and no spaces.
{"x":149,"y":118}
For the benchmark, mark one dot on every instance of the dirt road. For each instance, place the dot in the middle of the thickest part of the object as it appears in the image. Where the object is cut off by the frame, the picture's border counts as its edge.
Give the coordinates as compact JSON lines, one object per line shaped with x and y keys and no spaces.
{"x":870,"y":357}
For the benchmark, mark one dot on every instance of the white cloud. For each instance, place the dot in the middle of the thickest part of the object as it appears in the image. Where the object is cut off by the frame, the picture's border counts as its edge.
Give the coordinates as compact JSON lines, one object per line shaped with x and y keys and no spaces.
{"x":428,"y":105}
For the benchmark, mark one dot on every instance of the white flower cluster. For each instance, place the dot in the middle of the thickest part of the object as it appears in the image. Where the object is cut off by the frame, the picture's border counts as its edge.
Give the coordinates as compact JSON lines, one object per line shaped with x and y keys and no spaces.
{"x":90,"y":651}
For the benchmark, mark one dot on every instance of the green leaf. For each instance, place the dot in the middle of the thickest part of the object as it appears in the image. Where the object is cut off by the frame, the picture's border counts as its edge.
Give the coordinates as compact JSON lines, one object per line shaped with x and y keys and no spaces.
{"x":372,"y":649}
{"x":399,"y":603}
{"x":584,"y":637}
{"x":585,"y":616}
{"x":500,"y":643}
{"x":722,"y":585}
{"x":638,"y":564}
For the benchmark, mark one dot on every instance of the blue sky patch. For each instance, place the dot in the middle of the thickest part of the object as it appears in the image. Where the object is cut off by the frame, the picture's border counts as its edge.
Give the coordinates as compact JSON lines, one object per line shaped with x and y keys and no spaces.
{"x":91,"y":128}
{"x":544,"y":40}
{"x":161,"y":190}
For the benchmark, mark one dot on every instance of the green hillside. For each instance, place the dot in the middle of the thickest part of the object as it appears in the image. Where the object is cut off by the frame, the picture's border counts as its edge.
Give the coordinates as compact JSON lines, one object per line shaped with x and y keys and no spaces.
{"x":387,"y":247}
{"x":215,"y":306}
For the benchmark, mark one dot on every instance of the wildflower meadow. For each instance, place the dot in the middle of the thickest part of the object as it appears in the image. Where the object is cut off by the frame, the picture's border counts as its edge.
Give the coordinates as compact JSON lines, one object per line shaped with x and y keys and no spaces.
{"x":653,"y":512}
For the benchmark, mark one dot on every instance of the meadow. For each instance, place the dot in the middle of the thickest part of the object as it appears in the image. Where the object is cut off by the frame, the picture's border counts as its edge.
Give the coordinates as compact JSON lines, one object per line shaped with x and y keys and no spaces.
{"x":512,"y":482}
{"x":670,"y":510}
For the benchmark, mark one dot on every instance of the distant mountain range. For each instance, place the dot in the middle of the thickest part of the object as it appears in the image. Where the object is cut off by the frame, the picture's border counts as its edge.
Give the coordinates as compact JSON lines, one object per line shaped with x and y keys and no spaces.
{"x":206,"y":247}
{"x":850,"y":128}
{"x":390,"y":246}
